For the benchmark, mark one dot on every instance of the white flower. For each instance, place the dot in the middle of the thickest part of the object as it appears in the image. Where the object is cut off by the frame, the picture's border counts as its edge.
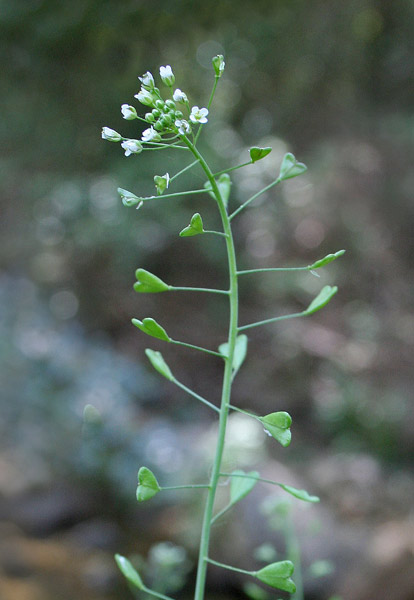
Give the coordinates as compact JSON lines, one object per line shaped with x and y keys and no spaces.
{"x":183,"y":126}
{"x":147,"y":81}
{"x":198,"y":115}
{"x":180,"y":96}
{"x":150,"y":135}
{"x":161,"y":182}
{"x":145,"y":97}
{"x":111,"y":134}
{"x":131,"y":147}
{"x":128,"y":112}
{"x":167,"y":75}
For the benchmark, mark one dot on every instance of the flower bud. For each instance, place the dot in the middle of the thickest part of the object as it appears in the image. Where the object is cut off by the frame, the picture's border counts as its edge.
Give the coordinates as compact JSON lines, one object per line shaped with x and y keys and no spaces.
{"x":166,"y":121}
{"x":167,"y":75}
{"x":150,"y":135}
{"x":111,"y":135}
{"x":159,"y":104}
{"x":170,"y":104}
{"x":218,"y":64}
{"x":131,"y":147}
{"x":158,"y":126}
{"x":147,"y":81}
{"x":180,"y":96}
{"x":149,"y":117}
{"x":145,"y":97}
{"x":128,"y":112}
{"x":178,"y":114}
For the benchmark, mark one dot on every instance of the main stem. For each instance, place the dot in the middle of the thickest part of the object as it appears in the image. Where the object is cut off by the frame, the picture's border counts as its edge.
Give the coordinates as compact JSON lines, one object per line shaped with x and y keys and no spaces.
{"x":227,"y":379}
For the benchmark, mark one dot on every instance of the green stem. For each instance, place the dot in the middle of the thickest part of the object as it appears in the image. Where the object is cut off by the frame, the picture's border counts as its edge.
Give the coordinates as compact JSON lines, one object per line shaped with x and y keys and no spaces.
{"x":213,"y":91}
{"x":186,"y":487}
{"x":174,"y":195}
{"x":266,"y":321}
{"x":233,"y":168}
{"x":221,"y":513}
{"x":215,"y":232}
{"x":269,"y":269}
{"x":174,"y":288}
{"x":227,"y":378}
{"x":183,"y":170}
{"x":195,"y":395}
{"x":219,"y":564}
{"x":213,"y":352}
{"x":268,"y":187}
{"x":156,"y":594}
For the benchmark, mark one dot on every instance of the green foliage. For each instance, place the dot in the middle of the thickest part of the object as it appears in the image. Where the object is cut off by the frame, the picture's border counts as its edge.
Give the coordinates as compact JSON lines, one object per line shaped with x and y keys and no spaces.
{"x":147,"y":485}
{"x":240,"y":487}
{"x":159,"y":364}
{"x":325,"y":295}
{"x":240,"y":351}
{"x":278,"y":575}
{"x":129,"y":572}
{"x":147,"y":282}
{"x":259,"y":153}
{"x":278,"y":424}
{"x":151,"y":327}
{"x":290,"y":167}
{"x":194,"y":228}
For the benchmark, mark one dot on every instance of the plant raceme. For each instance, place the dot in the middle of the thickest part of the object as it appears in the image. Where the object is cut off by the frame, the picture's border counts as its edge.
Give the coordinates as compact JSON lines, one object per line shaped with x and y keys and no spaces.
{"x":171,"y":122}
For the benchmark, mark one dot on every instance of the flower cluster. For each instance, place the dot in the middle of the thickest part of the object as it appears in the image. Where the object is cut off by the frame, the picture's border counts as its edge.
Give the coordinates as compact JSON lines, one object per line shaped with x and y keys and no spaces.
{"x":165,"y":118}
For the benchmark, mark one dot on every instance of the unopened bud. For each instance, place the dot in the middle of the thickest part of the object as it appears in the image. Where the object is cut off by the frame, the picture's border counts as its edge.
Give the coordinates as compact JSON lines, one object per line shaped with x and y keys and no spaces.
{"x":111,"y":135}
{"x":128,"y":112}
{"x":218,"y":64}
{"x":167,"y":75}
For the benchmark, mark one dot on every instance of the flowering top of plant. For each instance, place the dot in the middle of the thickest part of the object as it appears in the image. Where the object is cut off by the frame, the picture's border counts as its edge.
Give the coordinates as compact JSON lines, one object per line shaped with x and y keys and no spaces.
{"x":166,"y":122}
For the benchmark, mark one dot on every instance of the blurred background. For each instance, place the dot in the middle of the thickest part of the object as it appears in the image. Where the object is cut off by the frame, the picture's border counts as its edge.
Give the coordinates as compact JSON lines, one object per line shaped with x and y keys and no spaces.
{"x":331,"y":82}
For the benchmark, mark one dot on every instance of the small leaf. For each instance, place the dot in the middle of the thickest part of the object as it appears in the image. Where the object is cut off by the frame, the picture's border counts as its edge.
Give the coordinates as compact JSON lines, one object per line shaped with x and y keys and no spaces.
{"x":240,"y":351}
{"x":224,"y":186}
{"x":161,"y":183}
{"x":159,"y":364}
{"x":194,"y":228}
{"x":301,"y":494}
{"x":277,"y":575}
{"x":290,"y":167}
{"x":326,"y":260}
{"x":128,"y":198}
{"x":151,"y":327}
{"x":259,"y":153}
{"x":147,"y":485}
{"x":278,"y":424}
{"x":240,"y":487}
{"x":147,"y":282}
{"x":321,"y":300}
{"x":129,"y":572}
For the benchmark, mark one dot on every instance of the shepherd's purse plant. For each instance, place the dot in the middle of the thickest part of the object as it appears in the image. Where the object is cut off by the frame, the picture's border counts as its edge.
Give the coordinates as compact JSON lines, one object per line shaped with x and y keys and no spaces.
{"x":172,"y":122}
